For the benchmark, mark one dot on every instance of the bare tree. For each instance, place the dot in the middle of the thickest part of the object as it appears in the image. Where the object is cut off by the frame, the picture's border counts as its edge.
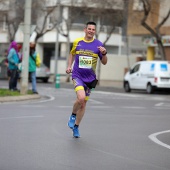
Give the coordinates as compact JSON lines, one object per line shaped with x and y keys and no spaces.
{"x":147,"y":6}
{"x":41,"y":13}
{"x":145,"y":18}
{"x":45,"y":17}
{"x":3,"y":9}
{"x":2,"y":4}
{"x":14,"y":17}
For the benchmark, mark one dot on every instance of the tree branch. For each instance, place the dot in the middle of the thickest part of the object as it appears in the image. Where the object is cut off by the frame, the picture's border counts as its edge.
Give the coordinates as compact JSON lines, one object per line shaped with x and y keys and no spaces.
{"x":163,"y":21}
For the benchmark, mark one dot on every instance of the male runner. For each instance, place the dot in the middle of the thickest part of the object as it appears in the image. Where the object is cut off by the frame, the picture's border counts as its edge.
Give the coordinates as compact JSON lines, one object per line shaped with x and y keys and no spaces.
{"x":85,"y":53}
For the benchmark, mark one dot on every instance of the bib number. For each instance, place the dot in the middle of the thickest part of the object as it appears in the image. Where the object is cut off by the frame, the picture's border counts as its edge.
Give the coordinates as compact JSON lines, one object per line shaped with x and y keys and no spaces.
{"x":85,"y":62}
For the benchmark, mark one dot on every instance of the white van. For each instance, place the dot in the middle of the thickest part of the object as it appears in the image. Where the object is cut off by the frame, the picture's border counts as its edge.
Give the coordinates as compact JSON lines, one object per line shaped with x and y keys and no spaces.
{"x":148,"y":75}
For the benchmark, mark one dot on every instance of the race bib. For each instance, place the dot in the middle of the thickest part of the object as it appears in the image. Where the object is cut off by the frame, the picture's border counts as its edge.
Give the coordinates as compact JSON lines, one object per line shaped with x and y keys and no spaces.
{"x":85,"y":62}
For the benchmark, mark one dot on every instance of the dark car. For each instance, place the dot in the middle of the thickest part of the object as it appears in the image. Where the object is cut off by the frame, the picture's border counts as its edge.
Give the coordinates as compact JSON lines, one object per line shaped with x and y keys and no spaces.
{"x":3,"y":68}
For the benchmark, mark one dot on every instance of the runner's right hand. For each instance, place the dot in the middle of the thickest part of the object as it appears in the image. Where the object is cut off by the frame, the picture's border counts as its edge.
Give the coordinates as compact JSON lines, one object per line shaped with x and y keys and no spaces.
{"x":69,"y":70}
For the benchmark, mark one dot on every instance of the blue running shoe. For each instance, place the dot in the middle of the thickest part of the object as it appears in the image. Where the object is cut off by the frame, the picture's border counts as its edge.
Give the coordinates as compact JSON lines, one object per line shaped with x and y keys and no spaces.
{"x":71,"y":121}
{"x":76,"y":133}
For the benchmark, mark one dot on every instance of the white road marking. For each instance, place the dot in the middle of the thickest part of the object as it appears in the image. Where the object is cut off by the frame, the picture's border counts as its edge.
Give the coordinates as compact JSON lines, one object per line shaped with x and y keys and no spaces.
{"x":133,"y":107}
{"x":101,"y":107}
{"x":126,"y":158}
{"x":153,"y":137}
{"x":95,"y":101}
{"x":118,"y":94}
{"x":64,"y":106}
{"x":51,"y":98}
{"x":159,"y":104}
{"x":162,"y":108}
{"x":105,"y":107}
{"x":22,"y":117}
{"x":33,"y":106}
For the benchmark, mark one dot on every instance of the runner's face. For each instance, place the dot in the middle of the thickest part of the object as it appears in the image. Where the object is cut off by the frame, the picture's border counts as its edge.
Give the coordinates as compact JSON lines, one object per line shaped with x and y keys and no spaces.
{"x":90,"y":31}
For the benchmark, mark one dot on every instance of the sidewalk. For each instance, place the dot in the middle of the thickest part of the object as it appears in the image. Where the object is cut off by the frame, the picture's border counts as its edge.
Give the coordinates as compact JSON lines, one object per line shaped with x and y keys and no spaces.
{"x":19,"y":98}
{"x":4,"y":84}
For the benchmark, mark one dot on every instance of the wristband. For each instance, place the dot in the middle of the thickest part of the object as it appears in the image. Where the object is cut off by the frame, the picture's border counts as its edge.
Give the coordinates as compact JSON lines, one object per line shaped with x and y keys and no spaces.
{"x":105,"y":53}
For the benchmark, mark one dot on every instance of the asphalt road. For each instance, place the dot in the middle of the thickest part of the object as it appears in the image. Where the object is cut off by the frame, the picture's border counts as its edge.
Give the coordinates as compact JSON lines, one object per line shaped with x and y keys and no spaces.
{"x":119,"y":131}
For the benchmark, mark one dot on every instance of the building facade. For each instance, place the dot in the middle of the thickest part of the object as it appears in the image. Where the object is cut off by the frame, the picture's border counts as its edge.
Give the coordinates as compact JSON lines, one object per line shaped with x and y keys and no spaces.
{"x":159,"y":10}
{"x":123,"y":50}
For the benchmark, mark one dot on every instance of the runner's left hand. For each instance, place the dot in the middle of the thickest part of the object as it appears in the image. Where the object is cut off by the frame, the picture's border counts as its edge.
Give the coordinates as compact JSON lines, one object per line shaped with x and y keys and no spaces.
{"x":102,"y":49}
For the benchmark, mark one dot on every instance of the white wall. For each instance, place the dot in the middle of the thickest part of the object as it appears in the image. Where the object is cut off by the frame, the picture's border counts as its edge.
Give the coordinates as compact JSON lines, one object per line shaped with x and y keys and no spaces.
{"x":115,"y":68}
{"x":61,"y":66}
{"x":113,"y":71}
{"x":4,"y":38}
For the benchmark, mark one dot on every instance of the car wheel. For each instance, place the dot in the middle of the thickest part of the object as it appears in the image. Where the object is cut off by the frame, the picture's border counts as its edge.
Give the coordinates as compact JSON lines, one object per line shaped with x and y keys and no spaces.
{"x":127,"y":87}
{"x":149,"y":89}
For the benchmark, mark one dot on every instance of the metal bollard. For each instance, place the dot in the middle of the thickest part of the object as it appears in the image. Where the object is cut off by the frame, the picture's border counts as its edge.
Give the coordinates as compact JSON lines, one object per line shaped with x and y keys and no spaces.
{"x":57,"y":83}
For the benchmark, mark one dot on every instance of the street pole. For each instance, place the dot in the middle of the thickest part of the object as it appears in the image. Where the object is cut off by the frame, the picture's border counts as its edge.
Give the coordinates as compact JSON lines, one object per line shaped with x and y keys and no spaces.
{"x":27,"y":22}
{"x":57,"y":49}
{"x":124,"y":30}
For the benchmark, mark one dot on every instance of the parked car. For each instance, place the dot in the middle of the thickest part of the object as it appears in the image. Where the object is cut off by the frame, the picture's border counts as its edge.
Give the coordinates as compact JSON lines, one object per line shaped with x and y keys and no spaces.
{"x":3,"y":68}
{"x":148,"y":75}
{"x":43,"y":73}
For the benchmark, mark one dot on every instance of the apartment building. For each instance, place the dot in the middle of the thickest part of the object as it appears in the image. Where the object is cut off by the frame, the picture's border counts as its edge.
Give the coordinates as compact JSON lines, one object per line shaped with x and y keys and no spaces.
{"x":159,"y":10}
{"x":123,"y":50}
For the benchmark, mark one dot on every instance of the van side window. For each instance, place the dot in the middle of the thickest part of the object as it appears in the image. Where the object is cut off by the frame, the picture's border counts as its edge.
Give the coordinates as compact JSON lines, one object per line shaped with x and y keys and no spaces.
{"x":135,"y":69}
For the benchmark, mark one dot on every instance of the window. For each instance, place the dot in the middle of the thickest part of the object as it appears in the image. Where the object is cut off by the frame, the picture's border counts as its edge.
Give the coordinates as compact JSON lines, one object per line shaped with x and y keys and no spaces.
{"x":137,"y":5}
{"x":4,"y":23}
{"x":135,"y":69}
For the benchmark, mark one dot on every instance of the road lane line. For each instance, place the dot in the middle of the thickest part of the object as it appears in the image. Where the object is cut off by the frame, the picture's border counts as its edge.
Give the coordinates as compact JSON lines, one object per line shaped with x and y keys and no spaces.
{"x":133,"y":107}
{"x":117,"y":94}
{"x":131,"y":160}
{"x":95,"y":101}
{"x":162,"y":108}
{"x":153,"y":137}
{"x":159,"y":104}
{"x":51,"y":98}
{"x":22,"y":117}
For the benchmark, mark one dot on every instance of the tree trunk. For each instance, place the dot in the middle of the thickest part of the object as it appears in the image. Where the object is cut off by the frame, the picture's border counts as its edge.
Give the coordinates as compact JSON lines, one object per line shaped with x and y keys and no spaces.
{"x":161,"y":49}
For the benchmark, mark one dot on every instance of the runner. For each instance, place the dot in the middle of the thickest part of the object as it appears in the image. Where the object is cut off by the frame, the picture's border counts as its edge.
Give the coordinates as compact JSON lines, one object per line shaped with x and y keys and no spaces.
{"x":85,"y":53}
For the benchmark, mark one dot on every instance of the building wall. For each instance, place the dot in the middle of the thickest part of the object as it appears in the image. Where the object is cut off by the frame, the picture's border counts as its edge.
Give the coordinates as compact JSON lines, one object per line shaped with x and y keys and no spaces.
{"x":167,"y":51}
{"x":159,"y":10}
{"x":135,"y":16}
{"x":164,"y":7}
{"x":165,"y":30}
{"x":115,"y":68}
{"x":112,"y":72}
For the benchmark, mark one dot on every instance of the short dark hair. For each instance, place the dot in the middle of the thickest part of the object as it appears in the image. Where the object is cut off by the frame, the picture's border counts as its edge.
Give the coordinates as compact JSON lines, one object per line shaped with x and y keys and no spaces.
{"x":90,"y":23}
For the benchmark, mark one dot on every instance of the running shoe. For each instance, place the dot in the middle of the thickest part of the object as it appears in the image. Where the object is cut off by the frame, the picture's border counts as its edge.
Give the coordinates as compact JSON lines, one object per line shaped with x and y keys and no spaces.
{"x":71,"y":121}
{"x":76,"y":133}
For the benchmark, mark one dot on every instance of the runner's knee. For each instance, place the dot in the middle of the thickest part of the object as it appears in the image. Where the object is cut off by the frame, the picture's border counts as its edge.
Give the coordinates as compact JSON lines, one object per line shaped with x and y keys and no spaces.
{"x":81,"y":100}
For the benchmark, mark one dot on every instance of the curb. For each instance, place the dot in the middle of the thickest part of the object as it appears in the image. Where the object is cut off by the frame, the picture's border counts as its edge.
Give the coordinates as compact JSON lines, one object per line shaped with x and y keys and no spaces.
{"x":19,"y":98}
